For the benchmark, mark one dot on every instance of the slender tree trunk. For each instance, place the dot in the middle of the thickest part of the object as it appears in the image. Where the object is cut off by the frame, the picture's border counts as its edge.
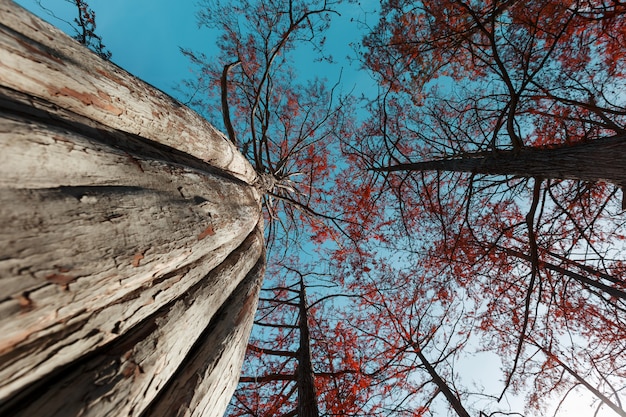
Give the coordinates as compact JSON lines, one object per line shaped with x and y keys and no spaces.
{"x":451,"y":397}
{"x":605,"y":400}
{"x":307,"y":398}
{"x":131,"y":243}
{"x":597,"y":160}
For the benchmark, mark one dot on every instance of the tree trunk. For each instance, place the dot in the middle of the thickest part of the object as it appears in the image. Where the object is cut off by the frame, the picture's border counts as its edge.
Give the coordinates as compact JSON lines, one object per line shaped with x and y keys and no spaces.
{"x":131,"y":243}
{"x":307,"y":398}
{"x":451,"y":397}
{"x":596,"y":160}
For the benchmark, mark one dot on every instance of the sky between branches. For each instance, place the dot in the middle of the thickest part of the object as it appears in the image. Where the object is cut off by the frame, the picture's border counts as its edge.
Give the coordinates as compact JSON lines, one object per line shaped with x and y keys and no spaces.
{"x":145,"y":36}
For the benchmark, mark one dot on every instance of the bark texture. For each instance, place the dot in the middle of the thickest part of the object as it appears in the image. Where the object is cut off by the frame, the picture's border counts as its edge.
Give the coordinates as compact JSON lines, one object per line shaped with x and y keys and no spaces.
{"x":602,"y":159}
{"x":39,"y":60}
{"x":131,"y":243}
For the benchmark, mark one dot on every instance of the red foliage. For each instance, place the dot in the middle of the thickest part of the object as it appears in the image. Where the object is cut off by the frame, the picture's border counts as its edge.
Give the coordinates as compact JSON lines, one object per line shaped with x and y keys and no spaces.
{"x":531,"y":258}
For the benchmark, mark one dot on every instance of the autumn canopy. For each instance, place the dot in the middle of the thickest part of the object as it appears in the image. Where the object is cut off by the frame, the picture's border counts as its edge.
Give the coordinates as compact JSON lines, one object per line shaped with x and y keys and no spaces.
{"x":474,"y":211}
{"x":450,"y":242}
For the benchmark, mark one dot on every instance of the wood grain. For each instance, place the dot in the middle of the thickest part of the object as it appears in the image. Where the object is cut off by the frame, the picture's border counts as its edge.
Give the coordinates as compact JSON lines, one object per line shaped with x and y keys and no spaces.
{"x":131,"y":242}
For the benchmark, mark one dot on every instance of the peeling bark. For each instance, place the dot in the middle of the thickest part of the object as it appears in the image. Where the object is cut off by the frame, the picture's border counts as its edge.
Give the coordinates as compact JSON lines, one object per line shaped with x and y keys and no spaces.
{"x":131,"y":371}
{"x":39,"y":60}
{"x":204,"y":386}
{"x":131,"y":244}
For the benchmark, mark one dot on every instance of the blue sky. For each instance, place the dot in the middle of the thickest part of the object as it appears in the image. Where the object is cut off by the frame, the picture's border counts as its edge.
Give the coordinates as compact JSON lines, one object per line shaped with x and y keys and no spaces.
{"x":145,"y":37}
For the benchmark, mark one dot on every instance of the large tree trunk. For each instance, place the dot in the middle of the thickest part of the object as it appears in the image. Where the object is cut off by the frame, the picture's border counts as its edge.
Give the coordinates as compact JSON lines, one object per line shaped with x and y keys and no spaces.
{"x":131,"y":243}
{"x":601,"y":159}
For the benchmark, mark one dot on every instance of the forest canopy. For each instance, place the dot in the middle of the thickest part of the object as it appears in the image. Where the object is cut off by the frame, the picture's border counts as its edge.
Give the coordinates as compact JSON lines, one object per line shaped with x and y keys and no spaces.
{"x":448,"y":243}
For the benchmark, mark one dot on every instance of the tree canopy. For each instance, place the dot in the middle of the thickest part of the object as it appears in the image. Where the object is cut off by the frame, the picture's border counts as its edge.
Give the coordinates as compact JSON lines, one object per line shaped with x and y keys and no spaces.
{"x":471,"y":206}
{"x":470,"y":209}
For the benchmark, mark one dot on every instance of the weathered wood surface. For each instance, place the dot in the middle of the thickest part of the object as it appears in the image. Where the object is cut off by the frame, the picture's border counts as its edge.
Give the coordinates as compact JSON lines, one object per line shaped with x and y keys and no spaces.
{"x":101,"y":91}
{"x":208,"y":380}
{"x":131,"y":244}
{"x":162,"y":352}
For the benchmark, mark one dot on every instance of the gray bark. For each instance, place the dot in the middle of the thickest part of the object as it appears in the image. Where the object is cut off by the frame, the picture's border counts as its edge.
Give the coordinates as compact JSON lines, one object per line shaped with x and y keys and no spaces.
{"x":39,"y":60}
{"x":209,"y":378}
{"x":602,"y":159}
{"x":307,"y":397}
{"x":130,"y":236}
{"x":131,"y":372}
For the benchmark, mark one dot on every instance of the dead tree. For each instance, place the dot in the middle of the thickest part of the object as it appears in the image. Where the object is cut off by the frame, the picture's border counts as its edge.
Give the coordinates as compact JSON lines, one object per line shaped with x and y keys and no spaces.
{"x":131,"y":242}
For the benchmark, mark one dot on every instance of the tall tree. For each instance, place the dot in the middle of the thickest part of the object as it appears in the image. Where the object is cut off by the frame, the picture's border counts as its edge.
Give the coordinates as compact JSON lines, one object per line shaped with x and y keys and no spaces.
{"x":499,"y":131}
{"x":131,"y":242}
{"x":285,"y":125}
{"x":301,"y":361}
